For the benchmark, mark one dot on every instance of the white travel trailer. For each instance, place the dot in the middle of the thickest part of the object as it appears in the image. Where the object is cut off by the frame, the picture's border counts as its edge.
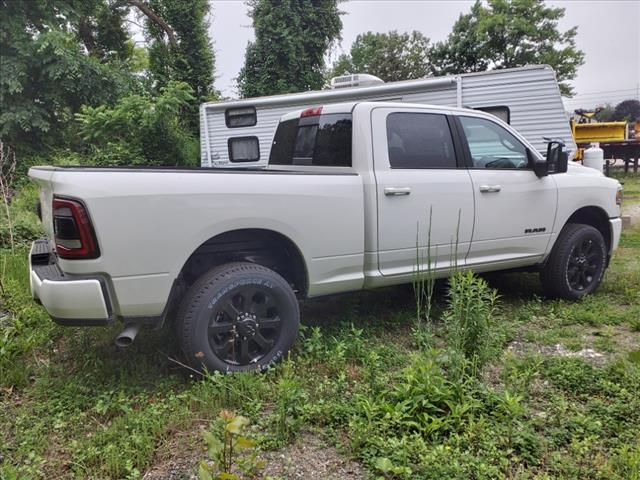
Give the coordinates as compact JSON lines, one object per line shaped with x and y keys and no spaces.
{"x":239,"y":133}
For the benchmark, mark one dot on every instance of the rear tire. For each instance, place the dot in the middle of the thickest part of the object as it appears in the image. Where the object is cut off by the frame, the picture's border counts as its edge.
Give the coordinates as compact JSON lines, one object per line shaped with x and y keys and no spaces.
{"x":238,"y":317}
{"x":577,"y":263}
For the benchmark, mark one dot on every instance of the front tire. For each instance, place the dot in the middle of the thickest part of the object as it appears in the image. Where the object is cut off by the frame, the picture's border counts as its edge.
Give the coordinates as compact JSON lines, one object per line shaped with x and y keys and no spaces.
{"x":238,"y":317}
{"x":576,"y":265}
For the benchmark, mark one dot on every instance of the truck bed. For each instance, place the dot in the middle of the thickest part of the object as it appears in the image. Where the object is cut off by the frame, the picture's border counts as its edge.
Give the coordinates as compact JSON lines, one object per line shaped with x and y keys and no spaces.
{"x":149,"y":224}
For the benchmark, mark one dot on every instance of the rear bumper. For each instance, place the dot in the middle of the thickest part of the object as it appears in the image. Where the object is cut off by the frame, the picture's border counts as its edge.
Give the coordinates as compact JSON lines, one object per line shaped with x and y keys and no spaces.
{"x":69,"y":300}
{"x":616,"y":228}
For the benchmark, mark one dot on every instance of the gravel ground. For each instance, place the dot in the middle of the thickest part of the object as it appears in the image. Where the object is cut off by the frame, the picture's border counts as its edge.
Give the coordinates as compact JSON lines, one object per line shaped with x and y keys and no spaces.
{"x":588,"y":354}
{"x":309,"y":458}
{"x":633,"y":210}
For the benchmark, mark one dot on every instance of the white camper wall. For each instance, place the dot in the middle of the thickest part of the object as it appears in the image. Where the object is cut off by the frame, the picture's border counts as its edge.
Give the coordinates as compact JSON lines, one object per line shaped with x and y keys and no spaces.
{"x":531,"y":94}
{"x":219,"y":134}
{"x":533,"y":98}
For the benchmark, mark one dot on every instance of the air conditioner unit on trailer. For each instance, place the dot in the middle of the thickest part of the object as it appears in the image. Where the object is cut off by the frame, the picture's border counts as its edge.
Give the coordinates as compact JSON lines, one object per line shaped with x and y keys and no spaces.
{"x":355,"y":80}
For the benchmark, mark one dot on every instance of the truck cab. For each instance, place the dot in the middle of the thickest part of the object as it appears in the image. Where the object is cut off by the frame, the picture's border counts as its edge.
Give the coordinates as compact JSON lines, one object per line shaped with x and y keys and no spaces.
{"x":459,"y":180}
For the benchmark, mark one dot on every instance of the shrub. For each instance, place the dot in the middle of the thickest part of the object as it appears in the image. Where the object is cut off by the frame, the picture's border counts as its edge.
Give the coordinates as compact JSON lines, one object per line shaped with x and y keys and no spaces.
{"x":469,"y":317}
{"x":141,"y":130}
{"x":22,"y":223}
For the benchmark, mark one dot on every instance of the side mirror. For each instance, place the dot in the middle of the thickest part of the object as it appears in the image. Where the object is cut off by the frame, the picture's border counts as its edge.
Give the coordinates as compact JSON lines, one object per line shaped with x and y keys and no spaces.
{"x":557,"y":157}
{"x":539,"y":166}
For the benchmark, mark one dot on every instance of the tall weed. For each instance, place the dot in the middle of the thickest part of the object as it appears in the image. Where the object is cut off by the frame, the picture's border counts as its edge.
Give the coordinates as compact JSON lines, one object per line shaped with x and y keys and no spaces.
{"x":470,"y":328}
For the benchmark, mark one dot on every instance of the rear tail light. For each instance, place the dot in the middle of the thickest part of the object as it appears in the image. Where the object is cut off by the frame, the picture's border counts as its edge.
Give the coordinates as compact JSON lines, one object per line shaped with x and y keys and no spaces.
{"x":74,"y":234}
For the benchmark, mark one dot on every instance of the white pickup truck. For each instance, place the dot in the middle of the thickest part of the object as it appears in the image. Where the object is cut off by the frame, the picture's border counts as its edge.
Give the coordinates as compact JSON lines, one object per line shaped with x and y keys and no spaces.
{"x":349,"y":195}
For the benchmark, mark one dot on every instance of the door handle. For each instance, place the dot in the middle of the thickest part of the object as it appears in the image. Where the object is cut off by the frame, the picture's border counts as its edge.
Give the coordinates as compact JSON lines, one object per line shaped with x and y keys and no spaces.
{"x":490,"y":188}
{"x":396,"y":191}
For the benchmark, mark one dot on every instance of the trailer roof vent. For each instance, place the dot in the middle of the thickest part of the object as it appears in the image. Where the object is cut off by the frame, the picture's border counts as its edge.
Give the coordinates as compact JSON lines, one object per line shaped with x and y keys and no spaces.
{"x":355,"y":80}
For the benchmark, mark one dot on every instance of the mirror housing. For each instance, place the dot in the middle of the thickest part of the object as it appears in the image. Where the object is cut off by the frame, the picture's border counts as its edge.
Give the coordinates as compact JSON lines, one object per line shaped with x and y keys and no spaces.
{"x":539,"y":166}
{"x":557,"y":158}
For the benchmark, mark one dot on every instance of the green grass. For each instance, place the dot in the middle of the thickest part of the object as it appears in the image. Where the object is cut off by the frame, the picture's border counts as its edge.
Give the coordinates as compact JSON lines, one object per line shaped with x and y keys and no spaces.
{"x":24,"y":223}
{"x":361,"y":377}
{"x":631,"y":185}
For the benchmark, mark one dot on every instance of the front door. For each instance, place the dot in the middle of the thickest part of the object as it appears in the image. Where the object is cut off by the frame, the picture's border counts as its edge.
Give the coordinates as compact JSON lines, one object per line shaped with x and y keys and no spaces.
{"x":515,"y":209}
{"x":424,"y":193}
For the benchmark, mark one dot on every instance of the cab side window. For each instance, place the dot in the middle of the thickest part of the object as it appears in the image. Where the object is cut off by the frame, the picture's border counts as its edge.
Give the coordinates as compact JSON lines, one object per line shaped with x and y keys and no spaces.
{"x":419,"y":140}
{"x":491,"y":146}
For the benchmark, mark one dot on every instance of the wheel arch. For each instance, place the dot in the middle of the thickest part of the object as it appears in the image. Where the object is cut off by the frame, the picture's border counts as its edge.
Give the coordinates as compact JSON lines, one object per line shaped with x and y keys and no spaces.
{"x":261,"y":246}
{"x":597,"y":218}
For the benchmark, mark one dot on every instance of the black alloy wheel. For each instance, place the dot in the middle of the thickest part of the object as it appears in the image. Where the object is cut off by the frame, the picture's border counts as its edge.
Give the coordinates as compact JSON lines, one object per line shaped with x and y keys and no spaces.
{"x":585,"y":262}
{"x":245,"y":326}
{"x":238,"y":317}
{"x":577,"y":262}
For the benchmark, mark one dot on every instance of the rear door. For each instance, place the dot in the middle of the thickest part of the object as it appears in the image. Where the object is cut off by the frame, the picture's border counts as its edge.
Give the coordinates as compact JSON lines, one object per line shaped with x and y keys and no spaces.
{"x":423,"y":191}
{"x":515,"y":209}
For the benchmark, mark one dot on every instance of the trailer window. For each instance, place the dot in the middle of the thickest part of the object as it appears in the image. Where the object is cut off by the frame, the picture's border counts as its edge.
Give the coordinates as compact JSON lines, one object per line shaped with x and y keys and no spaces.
{"x":322,"y":140}
{"x":419,"y":140}
{"x":240,"y":117}
{"x":503,"y":113}
{"x":244,"y":149}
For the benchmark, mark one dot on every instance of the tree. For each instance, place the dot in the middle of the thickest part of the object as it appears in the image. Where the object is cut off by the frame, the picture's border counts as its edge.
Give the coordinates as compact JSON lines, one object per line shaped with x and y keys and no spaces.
{"x":628,"y":110}
{"x":48,"y":71}
{"x":141,"y":129}
{"x":390,"y":56}
{"x":604,"y":114}
{"x":509,"y":33}
{"x":101,"y":27}
{"x":292,"y":38}
{"x":180,"y":49}
{"x":57,"y":56}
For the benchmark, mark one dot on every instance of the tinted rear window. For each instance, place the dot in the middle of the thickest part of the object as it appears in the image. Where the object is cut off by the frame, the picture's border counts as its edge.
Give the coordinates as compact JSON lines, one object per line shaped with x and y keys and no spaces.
{"x":322,"y":140}
{"x":419,"y":140}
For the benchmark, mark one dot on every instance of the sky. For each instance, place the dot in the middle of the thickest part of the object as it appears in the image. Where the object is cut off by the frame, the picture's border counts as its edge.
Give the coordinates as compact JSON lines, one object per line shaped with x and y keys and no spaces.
{"x":608,"y":34}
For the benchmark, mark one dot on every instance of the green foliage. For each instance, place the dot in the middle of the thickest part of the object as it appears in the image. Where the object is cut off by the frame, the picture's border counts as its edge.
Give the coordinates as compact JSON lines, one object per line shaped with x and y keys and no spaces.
{"x":627,"y":110}
{"x":288,"y":416}
{"x":141,"y":130}
{"x":101,"y":29}
{"x":469,"y":318}
{"x":604,"y":114}
{"x":390,"y":56}
{"x":420,"y":427}
{"x":229,"y":450}
{"x":506,"y":34}
{"x":190,"y":59}
{"x":26,"y":328}
{"x":292,"y":38}
{"x":46,"y":75}
{"x":57,"y":57}
{"x":22,"y":221}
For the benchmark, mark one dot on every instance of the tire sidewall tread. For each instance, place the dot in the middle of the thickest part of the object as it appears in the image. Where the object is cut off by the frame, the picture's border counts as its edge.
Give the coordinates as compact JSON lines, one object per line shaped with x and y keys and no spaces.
{"x":554,"y":274}
{"x":209,"y":288}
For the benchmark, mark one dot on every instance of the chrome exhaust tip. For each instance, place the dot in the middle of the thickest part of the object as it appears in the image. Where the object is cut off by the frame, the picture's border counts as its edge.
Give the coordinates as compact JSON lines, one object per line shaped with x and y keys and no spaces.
{"x":127,"y":335}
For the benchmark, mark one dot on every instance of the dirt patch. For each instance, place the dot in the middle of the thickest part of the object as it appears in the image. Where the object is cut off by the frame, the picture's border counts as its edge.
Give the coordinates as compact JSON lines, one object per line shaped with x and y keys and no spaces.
{"x":5,"y":319}
{"x":178,"y":457}
{"x":176,"y":469}
{"x":309,"y":458}
{"x":588,"y":354}
{"x":633,"y":210}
